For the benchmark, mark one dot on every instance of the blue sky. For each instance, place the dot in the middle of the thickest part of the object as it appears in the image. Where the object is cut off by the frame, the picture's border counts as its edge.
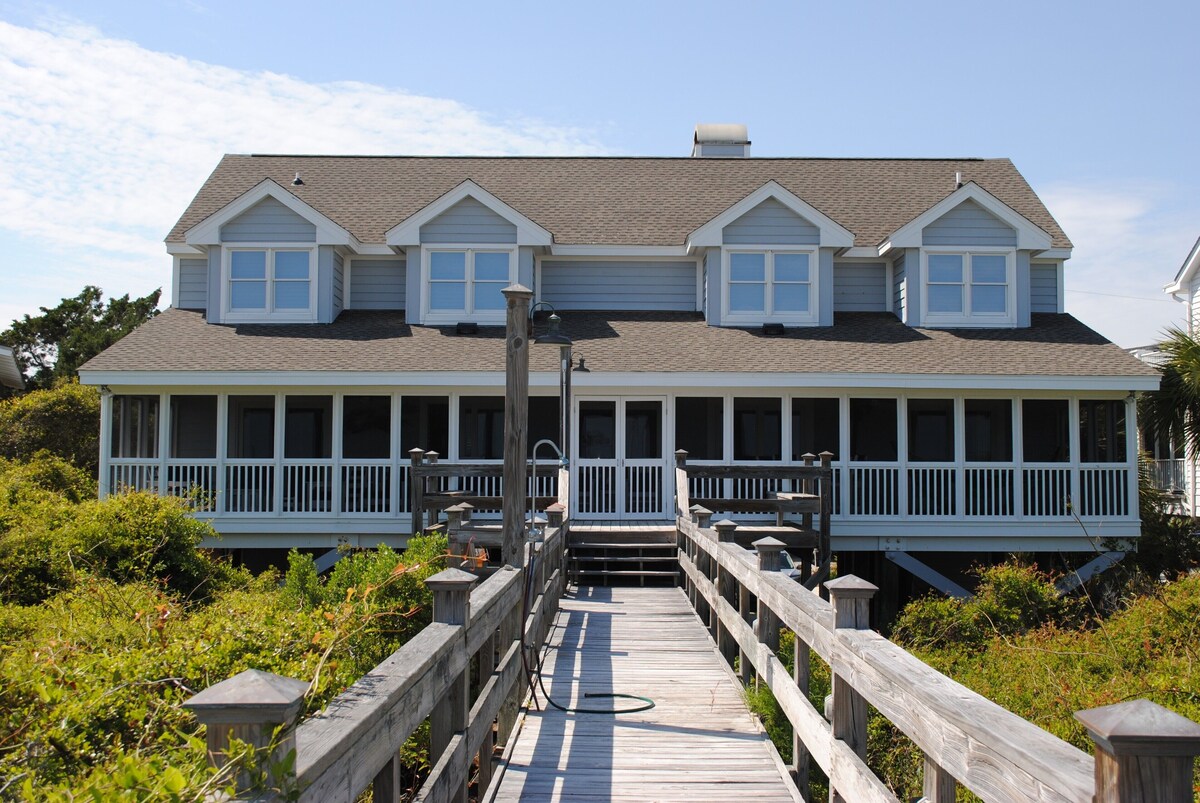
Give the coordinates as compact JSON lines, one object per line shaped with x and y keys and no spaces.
{"x":111,"y":114}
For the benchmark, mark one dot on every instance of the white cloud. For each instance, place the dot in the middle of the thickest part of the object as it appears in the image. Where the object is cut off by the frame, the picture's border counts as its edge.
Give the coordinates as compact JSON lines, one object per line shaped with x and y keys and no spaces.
{"x":104,"y":142}
{"x":1129,"y":240}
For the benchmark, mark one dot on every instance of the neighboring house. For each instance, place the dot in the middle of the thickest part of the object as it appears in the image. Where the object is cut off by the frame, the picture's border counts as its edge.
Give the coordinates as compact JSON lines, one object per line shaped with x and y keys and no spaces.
{"x":904,"y":314}
{"x":10,"y":372}
{"x":1182,"y":465}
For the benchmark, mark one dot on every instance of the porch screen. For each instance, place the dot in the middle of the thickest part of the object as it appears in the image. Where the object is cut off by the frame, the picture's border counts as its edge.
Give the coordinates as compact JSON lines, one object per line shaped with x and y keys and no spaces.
{"x":543,"y":425}
{"x":251,"y":422}
{"x":700,"y":427}
{"x":873,"y":430}
{"x":988,"y":430}
{"x":194,"y":426}
{"x":425,"y":424}
{"x":134,"y":426}
{"x":1045,"y":435}
{"x":367,"y":427}
{"x":481,"y":426}
{"x":308,"y":427}
{"x":1102,"y":432}
{"x":930,"y":430}
{"x":757,"y":429}
{"x":815,"y":427}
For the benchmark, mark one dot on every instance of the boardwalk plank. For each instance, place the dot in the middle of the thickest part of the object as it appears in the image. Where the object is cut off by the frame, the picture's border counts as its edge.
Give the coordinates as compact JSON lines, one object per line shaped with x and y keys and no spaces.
{"x":699,"y":742}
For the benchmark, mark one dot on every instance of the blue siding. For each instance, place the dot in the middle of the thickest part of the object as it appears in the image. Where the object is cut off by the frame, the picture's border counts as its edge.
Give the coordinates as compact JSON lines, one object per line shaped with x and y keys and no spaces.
{"x":1023,"y":289}
{"x":215,"y":312}
{"x":325,"y":307}
{"x":1043,"y":295}
{"x":377,"y":284}
{"x":193,"y":284}
{"x":771,"y":223}
{"x":898,"y":286}
{"x":525,"y":266}
{"x":860,"y":287}
{"x":268,"y":221}
{"x":468,"y":221}
{"x":712,"y":286}
{"x":969,"y":224}
{"x":412,"y":285}
{"x":825,"y":288}
{"x":620,"y":285}
{"x":339,"y":284}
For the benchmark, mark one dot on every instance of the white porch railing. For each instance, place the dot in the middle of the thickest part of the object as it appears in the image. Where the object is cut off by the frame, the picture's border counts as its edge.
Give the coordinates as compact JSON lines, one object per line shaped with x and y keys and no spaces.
{"x":367,"y":488}
{"x":989,"y":490}
{"x":1104,"y":490}
{"x":134,"y":474}
{"x":874,"y":489}
{"x":249,"y":486}
{"x":932,"y":491}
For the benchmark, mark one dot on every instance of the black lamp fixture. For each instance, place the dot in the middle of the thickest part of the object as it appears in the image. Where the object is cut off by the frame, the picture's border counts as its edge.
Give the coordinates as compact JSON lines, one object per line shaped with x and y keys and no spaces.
{"x":554,"y":337}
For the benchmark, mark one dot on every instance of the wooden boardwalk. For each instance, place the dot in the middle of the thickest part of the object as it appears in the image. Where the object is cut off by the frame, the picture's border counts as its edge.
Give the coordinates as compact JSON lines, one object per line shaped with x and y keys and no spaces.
{"x":699,"y":743}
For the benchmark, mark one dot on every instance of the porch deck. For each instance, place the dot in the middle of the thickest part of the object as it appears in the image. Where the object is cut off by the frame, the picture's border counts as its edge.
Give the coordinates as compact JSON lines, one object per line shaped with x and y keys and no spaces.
{"x":698,"y":743}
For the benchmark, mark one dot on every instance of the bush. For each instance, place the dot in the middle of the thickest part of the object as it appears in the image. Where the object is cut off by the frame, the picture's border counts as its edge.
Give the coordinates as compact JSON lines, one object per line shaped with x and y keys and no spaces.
{"x":63,"y":420}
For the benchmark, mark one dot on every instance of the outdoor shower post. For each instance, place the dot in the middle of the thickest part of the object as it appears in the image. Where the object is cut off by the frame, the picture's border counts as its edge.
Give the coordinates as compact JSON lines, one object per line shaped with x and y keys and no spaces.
{"x":516,"y":418}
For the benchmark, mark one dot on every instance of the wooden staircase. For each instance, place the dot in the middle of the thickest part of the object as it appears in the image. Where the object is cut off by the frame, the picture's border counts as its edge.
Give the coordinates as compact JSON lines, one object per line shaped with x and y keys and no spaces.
{"x":621,"y":554}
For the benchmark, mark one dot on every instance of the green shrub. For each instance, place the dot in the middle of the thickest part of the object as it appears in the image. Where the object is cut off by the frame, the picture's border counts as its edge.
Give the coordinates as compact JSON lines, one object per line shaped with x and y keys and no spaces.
{"x":64,"y":420}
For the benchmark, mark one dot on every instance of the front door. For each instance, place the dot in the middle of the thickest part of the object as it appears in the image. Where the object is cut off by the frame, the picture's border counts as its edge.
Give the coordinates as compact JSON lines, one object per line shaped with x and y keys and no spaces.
{"x":619,"y":458}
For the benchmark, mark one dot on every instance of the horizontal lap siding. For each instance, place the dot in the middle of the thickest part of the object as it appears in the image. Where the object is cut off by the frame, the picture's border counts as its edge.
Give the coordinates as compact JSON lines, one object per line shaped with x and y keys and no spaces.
{"x":377,"y":284}
{"x":468,"y":221}
{"x":771,"y":223}
{"x":338,"y":284}
{"x":193,"y":284}
{"x":268,"y":221}
{"x":1043,"y":281}
{"x":898,"y":285}
{"x":860,"y":287}
{"x":620,"y":285}
{"x":969,"y":224}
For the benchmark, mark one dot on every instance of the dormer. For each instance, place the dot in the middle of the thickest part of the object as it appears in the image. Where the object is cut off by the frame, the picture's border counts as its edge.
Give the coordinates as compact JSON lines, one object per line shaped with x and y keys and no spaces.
{"x":272,"y":258}
{"x":965,"y":263}
{"x":769,"y":259}
{"x":468,"y":245}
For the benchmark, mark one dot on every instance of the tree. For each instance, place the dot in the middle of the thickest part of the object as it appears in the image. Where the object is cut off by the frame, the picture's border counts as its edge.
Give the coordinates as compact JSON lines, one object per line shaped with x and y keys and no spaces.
{"x":63,"y":420}
{"x":1175,"y":407}
{"x":55,"y":343}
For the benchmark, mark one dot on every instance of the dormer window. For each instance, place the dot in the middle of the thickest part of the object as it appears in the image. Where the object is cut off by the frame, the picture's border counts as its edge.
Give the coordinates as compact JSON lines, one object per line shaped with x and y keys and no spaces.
{"x":771,"y":285}
{"x":270,"y":285}
{"x":465,"y":283}
{"x":969,"y":288}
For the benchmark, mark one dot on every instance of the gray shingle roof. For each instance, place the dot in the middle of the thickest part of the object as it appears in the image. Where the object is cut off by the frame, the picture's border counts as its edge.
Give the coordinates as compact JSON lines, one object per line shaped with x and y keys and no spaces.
{"x":643,"y":201}
{"x":862,"y":342}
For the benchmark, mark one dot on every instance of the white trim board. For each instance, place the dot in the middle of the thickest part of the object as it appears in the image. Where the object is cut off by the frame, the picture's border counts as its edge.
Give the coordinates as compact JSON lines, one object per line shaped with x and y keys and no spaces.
{"x":208,"y":231}
{"x":833,"y":234}
{"x":622,"y":379}
{"x":911,"y":234}
{"x":409,"y":231}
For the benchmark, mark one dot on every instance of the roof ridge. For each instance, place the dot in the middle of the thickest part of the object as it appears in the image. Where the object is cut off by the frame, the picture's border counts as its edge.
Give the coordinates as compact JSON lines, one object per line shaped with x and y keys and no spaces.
{"x":447,"y":157}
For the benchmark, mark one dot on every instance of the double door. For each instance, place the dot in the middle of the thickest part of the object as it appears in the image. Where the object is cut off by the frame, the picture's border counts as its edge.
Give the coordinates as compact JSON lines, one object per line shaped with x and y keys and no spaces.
{"x":620,"y":458}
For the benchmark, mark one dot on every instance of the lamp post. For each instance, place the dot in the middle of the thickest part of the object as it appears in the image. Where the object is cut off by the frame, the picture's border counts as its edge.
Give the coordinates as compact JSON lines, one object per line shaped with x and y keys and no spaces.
{"x":554,"y":337}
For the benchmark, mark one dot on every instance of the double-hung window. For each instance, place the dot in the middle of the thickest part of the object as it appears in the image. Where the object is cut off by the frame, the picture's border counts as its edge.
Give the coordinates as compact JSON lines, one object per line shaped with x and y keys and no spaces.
{"x":969,"y":288}
{"x":270,"y":284}
{"x":465,"y":284}
{"x":771,"y":285}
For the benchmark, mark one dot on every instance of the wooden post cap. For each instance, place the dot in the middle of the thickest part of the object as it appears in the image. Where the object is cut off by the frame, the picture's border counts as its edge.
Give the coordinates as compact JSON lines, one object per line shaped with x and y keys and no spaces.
{"x":416,"y":454}
{"x":808,"y":458}
{"x":431,"y":456}
{"x":451,"y":580}
{"x":517,"y":292}
{"x":826,"y":458}
{"x":725,"y":529}
{"x":851,"y":587}
{"x":769,"y":550}
{"x":681,"y":457}
{"x":249,"y":697}
{"x":467,"y":510}
{"x":1141,"y":728}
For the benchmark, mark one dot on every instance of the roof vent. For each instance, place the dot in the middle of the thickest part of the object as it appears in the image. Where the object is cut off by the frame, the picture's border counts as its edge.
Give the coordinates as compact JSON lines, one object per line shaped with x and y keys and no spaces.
{"x":721,"y":139}
{"x":466,"y":328}
{"x":958,"y":179}
{"x":297,"y":181}
{"x":773,"y":330}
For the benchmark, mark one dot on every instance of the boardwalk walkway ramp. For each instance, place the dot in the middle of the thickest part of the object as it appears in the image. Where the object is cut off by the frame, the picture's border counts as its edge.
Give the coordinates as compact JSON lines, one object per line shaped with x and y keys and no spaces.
{"x":698,"y":743}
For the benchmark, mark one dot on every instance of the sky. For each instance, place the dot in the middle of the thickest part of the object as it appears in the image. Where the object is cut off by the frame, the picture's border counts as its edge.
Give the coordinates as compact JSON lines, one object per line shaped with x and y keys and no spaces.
{"x":112,"y":114}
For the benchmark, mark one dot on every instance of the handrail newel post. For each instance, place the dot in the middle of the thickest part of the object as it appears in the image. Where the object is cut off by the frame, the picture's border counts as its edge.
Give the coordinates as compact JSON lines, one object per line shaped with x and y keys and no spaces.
{"x":416,"y":491}
{"x":1144,"y":752}
{"x":851,"y":600}
{"x":451,"y":606}
{"x":254,"y":707}
{"x":726,"y":585}
{"x":770,"y":560}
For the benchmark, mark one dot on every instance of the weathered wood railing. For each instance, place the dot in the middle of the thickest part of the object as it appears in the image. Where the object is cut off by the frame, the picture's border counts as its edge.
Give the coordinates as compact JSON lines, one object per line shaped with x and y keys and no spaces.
{"x":1144,"y":752}
{"x":811,"y":495}
{"x":355,"y":741}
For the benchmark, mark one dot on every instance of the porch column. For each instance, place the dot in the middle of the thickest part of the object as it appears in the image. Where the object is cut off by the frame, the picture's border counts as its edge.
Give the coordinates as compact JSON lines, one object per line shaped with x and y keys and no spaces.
{"x":106,"y":412}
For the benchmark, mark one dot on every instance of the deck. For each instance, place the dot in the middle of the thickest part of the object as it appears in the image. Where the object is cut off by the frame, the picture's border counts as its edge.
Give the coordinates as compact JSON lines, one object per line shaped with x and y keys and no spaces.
{"x":699,"y":743}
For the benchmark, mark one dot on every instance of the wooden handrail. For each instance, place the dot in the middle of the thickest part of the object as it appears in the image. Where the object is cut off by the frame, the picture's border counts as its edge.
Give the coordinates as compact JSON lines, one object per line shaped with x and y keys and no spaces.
{"x":965,"y":737}
{"x":356,"y":739}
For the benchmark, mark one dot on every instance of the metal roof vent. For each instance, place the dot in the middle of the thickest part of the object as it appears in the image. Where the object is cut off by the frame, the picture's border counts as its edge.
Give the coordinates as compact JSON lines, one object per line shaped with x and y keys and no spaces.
{"x":730,"y":140}
{"x":466,"y":328}
{"x":773,"y":330}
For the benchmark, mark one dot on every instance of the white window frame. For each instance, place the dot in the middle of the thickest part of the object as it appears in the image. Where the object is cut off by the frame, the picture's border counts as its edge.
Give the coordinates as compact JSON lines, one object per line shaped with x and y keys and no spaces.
{"x":768,"y":314}
{"x":969,"y":318}
{"x":468,"y":313}
{"x":268,"y":314}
